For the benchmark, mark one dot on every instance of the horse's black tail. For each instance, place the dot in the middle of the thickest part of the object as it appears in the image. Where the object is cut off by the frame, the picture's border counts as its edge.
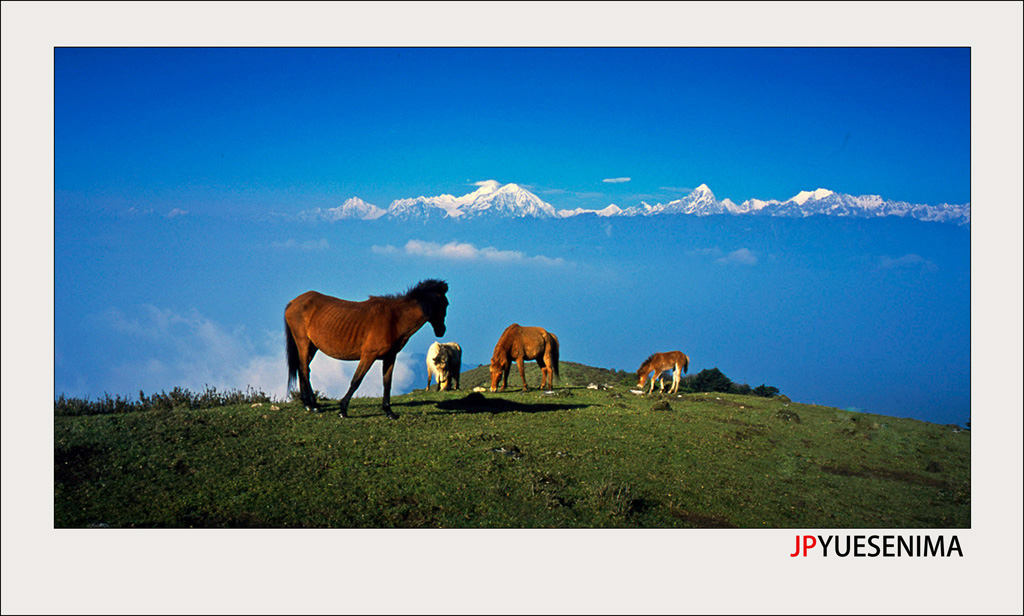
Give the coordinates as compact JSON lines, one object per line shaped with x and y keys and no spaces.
{"x":554,"y":356}
{"x":293,"y":355}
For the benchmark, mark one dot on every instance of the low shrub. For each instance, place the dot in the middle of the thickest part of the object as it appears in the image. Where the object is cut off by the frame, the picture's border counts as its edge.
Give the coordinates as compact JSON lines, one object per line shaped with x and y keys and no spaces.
{"x":177,"y":399}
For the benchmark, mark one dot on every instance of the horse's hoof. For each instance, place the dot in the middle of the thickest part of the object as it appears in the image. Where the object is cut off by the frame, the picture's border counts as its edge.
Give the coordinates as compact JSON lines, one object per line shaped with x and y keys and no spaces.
{"x":392,"y":415}
{"x":343,"y":415}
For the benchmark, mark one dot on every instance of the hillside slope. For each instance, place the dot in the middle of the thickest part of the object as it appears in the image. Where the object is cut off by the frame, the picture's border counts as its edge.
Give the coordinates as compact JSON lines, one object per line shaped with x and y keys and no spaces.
{"x":576,"y":457}
{"x":571,"y":375}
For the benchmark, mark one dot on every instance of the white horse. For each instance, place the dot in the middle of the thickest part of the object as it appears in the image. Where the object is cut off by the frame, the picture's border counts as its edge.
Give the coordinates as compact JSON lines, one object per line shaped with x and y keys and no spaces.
{"x":444,"y":362}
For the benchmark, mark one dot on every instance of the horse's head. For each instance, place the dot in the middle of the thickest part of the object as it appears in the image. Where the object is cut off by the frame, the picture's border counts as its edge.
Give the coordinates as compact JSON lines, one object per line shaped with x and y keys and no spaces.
{"x":432,"y":298}
{"x":643,"y":373}
{"x":441,"y":368}
{"x":496,"y":371}
{"x":441,"y":360}
{"x":436,"y":319}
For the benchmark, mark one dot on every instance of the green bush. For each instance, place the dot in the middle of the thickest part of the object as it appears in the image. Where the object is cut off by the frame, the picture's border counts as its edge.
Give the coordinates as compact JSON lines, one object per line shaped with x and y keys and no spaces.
{"x":177,"y":399}
{"x":765,"y":391}
{"x":714,"y":380}
{"x":707,"y":380}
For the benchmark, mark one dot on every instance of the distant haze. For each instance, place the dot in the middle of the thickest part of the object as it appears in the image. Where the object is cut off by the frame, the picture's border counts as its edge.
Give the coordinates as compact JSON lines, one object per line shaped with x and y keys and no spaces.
{"x":837,"y":311}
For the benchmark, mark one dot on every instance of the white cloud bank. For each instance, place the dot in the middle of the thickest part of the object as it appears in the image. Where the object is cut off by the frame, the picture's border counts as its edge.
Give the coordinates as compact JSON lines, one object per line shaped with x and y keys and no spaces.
{"x":307,"y":246}
{"x":907,"y":261}
{"x":192,"y":351}
{"x":741,"y":256}
{"x":462,"y":251}
{"x":615,"y":180}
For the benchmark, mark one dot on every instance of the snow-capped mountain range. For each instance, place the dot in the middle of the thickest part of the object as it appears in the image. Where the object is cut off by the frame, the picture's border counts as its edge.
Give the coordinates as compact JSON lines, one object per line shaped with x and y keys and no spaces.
{"x":493,"y":199}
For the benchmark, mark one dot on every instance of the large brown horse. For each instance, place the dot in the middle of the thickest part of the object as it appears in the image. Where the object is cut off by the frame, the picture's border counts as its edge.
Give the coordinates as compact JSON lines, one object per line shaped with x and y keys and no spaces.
{"x":522,"y":344}
{"x":376,"y":328}
{"x":658,"y":364}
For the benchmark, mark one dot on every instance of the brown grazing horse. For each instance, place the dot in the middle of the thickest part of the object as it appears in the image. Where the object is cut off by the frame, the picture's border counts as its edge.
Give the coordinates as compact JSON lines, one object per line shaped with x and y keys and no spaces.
{"x":522,"y":344}
{"x":658,"y":364}
{"x":376,"y":328}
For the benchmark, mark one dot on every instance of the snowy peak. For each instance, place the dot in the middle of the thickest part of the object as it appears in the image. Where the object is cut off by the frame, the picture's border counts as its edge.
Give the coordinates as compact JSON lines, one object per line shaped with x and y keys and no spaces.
{"x":753,"y":205}
{"x":700,"y":202}
{"x":491,"y":198}
{"x":352,"y":208}
{"x":486,"y":187}
{"x":510,"y":201}
{"x":611,"y":210}
{"x":804,"y":196}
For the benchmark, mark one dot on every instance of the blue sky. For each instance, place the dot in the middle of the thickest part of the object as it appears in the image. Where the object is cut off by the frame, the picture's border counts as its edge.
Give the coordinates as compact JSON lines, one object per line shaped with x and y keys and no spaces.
{"x":179,"y":173}
{"x":244,"y":130}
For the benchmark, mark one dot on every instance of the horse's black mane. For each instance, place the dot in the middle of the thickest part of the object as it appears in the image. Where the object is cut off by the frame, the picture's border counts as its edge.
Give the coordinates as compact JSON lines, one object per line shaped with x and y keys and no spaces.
{"x":427,"y":287}
{"x":420,"y":291}
{"x":426,"y":295}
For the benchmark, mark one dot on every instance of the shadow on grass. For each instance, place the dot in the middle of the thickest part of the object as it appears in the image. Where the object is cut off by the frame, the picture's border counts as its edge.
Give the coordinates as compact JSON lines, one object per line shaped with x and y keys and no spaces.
{"x":479,"y":403}
{"x":474,"y":402}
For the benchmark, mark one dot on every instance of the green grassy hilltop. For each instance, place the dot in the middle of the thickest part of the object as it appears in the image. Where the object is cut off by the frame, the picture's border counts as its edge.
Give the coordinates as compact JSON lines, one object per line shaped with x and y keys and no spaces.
{"x":577,"y":457}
